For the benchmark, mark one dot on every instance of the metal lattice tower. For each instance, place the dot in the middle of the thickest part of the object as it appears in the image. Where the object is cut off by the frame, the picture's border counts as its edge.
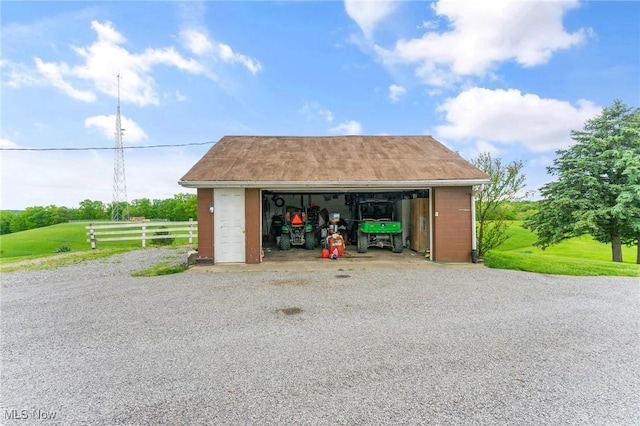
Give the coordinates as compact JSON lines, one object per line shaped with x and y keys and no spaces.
{"x":120,"y":208}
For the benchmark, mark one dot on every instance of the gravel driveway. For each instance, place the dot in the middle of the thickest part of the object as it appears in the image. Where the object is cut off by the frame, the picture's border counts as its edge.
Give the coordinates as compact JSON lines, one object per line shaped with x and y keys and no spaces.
{"x":89,"y":344}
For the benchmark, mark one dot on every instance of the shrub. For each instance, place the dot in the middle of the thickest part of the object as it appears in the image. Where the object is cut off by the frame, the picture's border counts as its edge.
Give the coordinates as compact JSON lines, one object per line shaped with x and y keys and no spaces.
{"x":167,"y":241}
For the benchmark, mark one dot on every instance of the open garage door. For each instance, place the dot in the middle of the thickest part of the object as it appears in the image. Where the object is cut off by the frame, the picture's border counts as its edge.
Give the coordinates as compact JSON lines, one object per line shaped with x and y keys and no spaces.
{"x":320,"y":208}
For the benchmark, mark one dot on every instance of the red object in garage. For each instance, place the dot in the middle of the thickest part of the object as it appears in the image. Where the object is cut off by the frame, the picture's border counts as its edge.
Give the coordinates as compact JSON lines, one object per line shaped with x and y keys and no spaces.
{"x":336,"y":241}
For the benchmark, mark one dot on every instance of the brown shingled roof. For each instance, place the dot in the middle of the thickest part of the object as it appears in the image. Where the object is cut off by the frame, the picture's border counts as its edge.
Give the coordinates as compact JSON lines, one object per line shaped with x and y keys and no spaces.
{"x":372,"y":159}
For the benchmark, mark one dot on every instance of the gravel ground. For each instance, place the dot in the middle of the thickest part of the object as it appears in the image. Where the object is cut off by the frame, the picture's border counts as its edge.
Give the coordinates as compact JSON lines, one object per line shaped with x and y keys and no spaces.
{"x":92,"y":345}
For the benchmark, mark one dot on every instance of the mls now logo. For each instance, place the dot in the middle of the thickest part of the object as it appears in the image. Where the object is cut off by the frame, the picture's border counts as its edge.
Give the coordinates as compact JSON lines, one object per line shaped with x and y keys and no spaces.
{"x":16,"y":414}
{"x":27,"y":414}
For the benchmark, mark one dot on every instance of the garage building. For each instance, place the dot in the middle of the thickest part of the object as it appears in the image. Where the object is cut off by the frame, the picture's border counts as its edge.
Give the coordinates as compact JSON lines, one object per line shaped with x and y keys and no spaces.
{"x":245,"y":183}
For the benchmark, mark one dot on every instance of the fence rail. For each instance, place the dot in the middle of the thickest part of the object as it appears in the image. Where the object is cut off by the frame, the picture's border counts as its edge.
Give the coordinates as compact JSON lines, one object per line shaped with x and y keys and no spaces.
{"x":141,"y":231}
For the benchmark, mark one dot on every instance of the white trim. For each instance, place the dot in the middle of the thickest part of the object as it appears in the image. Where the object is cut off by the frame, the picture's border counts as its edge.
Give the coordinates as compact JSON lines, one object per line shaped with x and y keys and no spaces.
{"x":221,"y":202}
{"x":261,"y":230}
{"x":473,"y":222}
{"x":319,"y":186}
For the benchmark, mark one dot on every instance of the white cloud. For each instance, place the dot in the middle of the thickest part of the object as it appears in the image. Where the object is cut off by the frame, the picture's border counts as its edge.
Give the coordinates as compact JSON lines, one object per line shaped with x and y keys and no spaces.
{"x":368,"y":13}
{"x":511,"y":117}
{"x":180,"y":97}
{"x":312,"y":110}
{"x":228,"y":55}
{"x":484,"y":34}
{"x":427,"y":25}
{"x":6,"y":143}
{"x":350,"y":127}
{"x":17,"y":75}
{"x":396,"y":92}
{"x":198,"y":42}
{"x":108,"y":56}
{"x":54,"y":74}
{"x":106,"y":125}
{"x":484,"y":146}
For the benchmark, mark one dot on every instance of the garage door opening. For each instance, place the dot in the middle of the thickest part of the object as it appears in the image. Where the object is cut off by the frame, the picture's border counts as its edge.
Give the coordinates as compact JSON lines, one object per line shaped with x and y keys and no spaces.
{"x":297,"y":226}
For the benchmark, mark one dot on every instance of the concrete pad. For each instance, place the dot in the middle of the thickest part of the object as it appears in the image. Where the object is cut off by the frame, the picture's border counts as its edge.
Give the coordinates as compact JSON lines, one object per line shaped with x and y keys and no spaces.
{"x":299,"y":259}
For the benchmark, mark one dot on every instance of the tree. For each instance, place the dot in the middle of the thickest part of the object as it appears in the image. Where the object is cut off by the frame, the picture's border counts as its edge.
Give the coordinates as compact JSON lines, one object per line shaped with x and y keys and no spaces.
{"x":5,"y":221}
{"x":37,"y":217}
{"x":597,"y":191}
{"x":60,"y":214}
{"x":18,"y":223}
{"x":185,"y":207}
{"x":164,"y":208}
{"x":507,"y":182}
{"x":142,"y":208}
{"x":92,"y":210}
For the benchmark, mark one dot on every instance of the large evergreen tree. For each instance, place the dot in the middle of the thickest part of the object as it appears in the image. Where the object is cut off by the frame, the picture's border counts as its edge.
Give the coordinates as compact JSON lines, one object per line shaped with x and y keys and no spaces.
{"x":597,"y":190}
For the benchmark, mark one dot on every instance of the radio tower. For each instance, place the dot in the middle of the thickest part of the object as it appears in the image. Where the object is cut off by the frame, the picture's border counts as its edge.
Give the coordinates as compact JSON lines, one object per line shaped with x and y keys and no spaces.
{"x":120,"y":209}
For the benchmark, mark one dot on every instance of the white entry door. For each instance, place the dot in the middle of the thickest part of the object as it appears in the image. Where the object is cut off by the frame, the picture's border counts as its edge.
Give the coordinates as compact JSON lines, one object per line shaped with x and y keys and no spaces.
{"x":229,"y":238}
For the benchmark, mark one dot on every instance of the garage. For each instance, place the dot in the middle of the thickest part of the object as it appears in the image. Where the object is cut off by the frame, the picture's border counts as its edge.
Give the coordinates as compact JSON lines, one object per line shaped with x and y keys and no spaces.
{"x":303,"y":193}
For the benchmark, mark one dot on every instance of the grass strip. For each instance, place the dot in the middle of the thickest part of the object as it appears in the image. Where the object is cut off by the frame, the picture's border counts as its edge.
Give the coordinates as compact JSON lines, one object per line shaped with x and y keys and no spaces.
{"x":162,"y":268}
{"x":33,"y":263}
{"x":558,"y":265}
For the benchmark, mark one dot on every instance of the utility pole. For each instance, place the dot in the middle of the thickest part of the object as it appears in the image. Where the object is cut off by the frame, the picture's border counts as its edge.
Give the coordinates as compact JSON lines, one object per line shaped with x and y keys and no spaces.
{"x":119,"y":208}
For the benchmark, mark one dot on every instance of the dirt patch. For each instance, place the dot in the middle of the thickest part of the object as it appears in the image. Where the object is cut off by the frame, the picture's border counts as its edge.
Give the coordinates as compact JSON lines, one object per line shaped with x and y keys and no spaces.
{"x":291,"y":311}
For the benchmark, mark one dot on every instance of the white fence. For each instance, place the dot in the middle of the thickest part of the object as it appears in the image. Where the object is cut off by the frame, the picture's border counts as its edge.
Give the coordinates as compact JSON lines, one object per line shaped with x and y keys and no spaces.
{"x":141,"y":231}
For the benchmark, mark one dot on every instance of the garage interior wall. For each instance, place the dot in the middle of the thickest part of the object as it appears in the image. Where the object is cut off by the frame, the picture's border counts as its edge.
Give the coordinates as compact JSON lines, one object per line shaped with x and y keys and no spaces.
{"x":333,"y":205}
{"x":205,"y":224}
{"x":452,"y":228}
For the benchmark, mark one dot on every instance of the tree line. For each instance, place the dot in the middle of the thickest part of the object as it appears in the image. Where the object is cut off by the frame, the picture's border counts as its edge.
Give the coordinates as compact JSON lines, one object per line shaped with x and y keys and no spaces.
{"x":181,"y":207}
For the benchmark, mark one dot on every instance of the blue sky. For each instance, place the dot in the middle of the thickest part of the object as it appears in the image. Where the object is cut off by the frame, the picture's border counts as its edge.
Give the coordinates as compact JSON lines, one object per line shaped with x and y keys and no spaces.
{"x":509,"y":77}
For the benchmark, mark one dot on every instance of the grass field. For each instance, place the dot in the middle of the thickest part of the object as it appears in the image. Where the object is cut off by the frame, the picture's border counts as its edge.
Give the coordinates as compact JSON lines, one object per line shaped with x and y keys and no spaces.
{"x":43,"y":242}
{"x":577,"y":256}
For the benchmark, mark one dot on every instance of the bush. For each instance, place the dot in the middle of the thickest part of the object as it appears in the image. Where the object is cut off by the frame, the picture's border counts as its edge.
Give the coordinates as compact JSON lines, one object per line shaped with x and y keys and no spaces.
{"x":62,"y":249}
{"x":167,"y":241}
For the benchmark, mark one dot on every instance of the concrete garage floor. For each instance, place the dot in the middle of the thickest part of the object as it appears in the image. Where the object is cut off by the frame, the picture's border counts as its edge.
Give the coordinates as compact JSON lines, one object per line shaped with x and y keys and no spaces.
{"x":299,"y":259}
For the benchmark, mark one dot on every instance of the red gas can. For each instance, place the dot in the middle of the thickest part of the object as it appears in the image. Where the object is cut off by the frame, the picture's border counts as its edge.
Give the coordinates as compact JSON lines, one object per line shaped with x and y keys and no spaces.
{"x":336,"y":241}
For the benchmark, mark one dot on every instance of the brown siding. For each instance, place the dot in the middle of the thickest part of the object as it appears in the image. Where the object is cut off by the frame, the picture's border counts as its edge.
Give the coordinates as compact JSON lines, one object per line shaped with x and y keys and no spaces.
{"x":205,"y":224}
{"x":253,"y":240}
{"x":452,"y":225}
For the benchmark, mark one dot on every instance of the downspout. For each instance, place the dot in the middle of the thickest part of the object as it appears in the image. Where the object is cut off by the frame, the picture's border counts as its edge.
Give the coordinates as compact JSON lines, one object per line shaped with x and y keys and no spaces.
{"x":474,"y":251}
{"x":431,"y":224}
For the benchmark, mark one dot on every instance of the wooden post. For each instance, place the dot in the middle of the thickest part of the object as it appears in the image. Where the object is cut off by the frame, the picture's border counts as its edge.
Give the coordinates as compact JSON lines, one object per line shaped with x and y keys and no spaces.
{"x":92,"y":237}
{"x":144,"y":235}
{"x":190,"y":231}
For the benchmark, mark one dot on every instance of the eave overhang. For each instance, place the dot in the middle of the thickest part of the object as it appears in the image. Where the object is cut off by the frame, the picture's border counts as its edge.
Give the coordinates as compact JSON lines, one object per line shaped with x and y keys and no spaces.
{"x":328,"y":186}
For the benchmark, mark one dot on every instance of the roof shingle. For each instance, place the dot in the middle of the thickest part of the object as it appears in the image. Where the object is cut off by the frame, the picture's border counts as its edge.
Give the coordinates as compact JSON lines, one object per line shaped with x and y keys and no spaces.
{"x":330,"y":158}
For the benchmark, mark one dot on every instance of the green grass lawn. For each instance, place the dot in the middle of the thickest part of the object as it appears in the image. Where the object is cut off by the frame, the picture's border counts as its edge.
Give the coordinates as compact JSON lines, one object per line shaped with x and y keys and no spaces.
{"x":42,"y":242}
{"x":576,"y":256}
